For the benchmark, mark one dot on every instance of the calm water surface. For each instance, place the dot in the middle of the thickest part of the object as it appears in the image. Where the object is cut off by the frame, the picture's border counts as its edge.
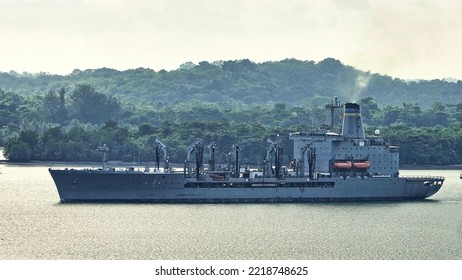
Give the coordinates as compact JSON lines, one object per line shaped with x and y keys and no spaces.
{"x":35,"y":225}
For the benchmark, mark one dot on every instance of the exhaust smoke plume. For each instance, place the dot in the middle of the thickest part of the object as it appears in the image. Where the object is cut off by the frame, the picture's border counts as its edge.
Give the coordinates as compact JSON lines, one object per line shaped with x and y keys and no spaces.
{"x":361,"y":83}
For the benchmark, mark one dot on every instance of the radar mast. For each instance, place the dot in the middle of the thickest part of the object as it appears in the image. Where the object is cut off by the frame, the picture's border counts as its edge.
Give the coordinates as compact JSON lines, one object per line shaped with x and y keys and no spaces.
{"x":335,"y":104}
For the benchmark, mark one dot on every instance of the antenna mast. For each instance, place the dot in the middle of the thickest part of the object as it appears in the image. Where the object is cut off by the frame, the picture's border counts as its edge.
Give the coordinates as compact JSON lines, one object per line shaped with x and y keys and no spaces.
{"x":104,"y":149}
{"x":335,"y":104}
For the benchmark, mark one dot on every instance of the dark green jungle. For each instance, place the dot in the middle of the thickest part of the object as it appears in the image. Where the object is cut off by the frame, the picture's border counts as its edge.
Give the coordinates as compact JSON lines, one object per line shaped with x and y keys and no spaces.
{"x":66,"y":118}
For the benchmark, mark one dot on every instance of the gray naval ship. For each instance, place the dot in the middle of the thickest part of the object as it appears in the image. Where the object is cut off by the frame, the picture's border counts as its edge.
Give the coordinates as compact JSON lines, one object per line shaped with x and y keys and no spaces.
{"x":327,"y":166}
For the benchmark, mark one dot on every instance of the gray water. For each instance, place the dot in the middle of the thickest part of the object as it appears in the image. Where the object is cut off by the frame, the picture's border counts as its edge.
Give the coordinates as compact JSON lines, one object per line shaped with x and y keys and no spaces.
{"x":35,"y":225}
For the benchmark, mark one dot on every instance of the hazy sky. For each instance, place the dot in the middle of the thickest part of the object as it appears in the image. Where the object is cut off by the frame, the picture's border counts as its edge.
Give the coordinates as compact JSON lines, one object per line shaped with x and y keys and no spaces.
{"x":405,"y":39}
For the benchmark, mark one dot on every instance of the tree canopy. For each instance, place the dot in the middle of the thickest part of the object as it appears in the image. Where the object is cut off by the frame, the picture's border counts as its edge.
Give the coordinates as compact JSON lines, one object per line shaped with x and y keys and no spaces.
{"x":294,"y":82}
{"x":52,"y":117}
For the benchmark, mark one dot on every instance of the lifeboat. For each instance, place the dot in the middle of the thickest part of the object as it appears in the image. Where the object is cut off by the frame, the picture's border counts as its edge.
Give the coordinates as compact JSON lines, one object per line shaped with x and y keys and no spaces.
{"x":343,"y":165}
{"x":362,"y":164}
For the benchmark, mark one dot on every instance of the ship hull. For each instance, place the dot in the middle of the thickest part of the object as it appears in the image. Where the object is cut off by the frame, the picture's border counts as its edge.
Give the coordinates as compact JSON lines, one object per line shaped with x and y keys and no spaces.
{"x":98,"y":185}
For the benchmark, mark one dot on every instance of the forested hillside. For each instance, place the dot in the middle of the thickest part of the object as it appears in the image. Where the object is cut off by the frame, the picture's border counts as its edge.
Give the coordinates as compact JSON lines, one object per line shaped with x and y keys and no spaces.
{"x":51,"y":117}
{"x":293,"y":82}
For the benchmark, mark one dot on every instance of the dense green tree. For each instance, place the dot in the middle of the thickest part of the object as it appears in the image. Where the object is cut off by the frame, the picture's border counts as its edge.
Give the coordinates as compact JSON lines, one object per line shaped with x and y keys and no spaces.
{"x":21,"y":148}
{"x":18,"y":151}
{"x":10,"y":104}
{"x":89,"y":105}
{"x":54,"y":107}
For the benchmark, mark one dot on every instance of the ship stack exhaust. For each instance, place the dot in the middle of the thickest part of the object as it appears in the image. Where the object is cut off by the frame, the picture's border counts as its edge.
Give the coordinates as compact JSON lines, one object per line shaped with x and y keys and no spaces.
{"x":352,"y":122}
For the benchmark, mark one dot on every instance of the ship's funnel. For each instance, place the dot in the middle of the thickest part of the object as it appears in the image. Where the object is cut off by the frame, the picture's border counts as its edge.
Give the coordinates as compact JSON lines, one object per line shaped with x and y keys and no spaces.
{"x":352,"y":122}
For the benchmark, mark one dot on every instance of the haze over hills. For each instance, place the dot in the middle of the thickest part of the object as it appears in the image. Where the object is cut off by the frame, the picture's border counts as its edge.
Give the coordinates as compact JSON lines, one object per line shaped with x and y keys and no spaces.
{"x":290,"y":81}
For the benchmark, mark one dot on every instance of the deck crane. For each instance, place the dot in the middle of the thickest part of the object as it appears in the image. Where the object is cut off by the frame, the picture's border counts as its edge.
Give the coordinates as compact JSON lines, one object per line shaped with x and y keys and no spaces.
{"x":160,"y":146}
{"x":198,"y":149}
{"x":273,"y":150}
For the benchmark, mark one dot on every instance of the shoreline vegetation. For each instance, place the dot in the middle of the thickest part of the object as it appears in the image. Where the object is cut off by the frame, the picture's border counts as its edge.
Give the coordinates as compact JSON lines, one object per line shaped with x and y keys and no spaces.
{"x":48,"y":117}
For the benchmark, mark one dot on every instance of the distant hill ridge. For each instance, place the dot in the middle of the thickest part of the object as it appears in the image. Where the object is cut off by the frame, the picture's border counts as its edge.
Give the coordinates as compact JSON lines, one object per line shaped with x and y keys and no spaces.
{"x":290,"y":81}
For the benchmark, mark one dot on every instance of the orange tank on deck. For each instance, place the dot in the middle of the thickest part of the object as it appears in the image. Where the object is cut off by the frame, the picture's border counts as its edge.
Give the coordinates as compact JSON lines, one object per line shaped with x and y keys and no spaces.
{"x":343,"y":165}
{"x":362,"y":165}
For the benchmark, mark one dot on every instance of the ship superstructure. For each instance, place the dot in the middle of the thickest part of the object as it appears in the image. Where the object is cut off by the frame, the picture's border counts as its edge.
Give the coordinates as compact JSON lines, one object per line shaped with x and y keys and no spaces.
{"x":347,"y":154}
{"x":326,"y":166}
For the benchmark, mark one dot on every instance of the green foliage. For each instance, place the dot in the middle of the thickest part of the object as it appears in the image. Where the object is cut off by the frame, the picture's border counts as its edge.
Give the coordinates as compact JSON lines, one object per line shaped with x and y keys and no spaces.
{"x":52,"y":117}
{"x":21,"y":148}
{"x":90,"y":106}
{"x":18,"y":152}
{"x":291,"y":81}
{"x":426,"y":146}
{"x":421,"y":142}
{"x":54,"y":107}
{"x":10,"y":105}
